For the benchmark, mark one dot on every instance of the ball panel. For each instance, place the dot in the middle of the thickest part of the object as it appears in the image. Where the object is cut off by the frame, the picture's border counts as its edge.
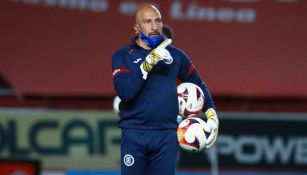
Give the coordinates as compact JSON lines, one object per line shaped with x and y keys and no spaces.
{"x":190,"y":99}
{"x":191,"y":134}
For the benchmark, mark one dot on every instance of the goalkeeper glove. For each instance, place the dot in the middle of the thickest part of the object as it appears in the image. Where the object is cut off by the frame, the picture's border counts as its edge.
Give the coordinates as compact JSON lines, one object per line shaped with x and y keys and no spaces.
{"x":212,"y":127}
{"x":179,"y":119}
{"x":156,"y":55}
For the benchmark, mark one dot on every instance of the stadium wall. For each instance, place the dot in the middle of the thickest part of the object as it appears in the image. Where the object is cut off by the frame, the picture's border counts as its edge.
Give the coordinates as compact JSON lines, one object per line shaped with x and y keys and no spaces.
{"x":241,"y":48}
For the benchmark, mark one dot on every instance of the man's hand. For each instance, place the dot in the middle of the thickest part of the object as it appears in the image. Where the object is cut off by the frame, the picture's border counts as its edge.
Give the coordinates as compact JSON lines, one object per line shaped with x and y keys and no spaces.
{"x":212,"y":127}
{"x":179,"y":119}
{"x":156,"y":55}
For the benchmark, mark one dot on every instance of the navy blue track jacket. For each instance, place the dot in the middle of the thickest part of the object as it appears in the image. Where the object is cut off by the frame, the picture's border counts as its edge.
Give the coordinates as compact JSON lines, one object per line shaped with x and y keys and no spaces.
{"x":152,"y":103}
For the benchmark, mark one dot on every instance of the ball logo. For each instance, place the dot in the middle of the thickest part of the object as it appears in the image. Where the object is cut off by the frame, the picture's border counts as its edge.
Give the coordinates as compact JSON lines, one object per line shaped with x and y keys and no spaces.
{"x":128,"y":160}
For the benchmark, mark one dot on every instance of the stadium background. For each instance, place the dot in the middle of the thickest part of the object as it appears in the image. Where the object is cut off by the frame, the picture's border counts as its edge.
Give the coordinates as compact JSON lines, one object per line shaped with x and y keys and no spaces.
{"x":56,"y":82}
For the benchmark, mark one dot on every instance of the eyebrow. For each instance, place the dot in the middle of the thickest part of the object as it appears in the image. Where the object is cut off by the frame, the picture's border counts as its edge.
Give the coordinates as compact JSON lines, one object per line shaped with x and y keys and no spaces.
{"x":156,"y":19}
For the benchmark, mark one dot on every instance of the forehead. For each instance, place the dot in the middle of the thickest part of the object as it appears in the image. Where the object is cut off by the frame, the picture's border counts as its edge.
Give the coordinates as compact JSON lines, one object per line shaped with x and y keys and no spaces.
{"x":147,"y":12}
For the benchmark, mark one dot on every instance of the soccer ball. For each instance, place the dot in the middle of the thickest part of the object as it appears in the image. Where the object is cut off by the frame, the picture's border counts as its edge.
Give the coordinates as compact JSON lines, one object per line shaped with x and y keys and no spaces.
{"x":190,"y":99}
{"x":191,"y":134}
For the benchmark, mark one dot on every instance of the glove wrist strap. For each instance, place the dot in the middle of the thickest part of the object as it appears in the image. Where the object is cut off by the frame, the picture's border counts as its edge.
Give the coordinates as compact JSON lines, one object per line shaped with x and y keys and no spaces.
{"x":144,"y":73}
{"x":147,"y":66}
{"x":211,"y":114}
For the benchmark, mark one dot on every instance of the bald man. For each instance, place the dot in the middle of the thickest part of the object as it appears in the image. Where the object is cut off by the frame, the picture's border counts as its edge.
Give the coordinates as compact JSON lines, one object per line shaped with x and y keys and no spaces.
{"x":145,"y":74}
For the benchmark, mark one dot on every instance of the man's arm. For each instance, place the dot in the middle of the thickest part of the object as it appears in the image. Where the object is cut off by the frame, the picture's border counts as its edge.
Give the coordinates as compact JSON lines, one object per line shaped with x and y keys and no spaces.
{"x":126,"y":82}
{"x":188,"y":73}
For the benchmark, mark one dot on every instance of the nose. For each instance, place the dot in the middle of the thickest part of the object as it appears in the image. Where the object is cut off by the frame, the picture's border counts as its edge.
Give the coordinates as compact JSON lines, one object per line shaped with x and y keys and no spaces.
{"x":155,"y":26}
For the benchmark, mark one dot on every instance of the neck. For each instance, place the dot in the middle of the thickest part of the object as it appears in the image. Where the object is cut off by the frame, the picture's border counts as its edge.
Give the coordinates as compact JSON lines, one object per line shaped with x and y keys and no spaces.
{"x":141,"y":44}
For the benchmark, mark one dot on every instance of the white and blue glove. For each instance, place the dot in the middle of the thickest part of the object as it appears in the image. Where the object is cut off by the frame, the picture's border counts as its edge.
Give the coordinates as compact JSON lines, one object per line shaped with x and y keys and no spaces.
{"x":212,"y":127}
{"x":155,"y":56}
{"x":179,"y":119}
{"x":116,"y":102}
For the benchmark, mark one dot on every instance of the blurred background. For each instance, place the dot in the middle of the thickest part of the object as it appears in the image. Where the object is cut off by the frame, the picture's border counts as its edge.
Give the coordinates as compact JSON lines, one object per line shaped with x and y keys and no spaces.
{"x":56,"y":89}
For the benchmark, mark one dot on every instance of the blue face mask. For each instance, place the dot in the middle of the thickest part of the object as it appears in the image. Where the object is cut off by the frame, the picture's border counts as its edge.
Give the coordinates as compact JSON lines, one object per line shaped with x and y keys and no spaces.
{"x":151,"y":42}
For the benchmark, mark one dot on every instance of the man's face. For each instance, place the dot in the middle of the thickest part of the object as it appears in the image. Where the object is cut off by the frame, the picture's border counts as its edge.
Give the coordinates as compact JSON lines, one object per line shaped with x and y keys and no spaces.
{"x":149,"y":21}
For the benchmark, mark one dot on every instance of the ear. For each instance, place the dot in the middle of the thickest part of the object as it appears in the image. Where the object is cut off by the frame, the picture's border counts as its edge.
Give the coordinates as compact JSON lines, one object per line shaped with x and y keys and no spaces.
{"x":136,"y":29}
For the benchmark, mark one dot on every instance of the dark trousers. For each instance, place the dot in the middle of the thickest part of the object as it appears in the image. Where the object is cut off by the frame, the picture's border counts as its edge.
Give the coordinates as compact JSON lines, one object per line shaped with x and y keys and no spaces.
{"x":148,"y":152}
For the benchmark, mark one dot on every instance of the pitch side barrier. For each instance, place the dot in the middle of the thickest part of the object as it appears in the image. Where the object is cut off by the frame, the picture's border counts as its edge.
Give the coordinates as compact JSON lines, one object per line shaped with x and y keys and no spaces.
{"x":87,"y":139}
{"x":261,"y":142}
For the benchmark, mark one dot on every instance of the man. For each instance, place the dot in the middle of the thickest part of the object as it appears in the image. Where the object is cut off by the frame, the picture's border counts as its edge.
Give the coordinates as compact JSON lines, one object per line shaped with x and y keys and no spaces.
{"x":167,"y":31}
{"x":145,"y":76}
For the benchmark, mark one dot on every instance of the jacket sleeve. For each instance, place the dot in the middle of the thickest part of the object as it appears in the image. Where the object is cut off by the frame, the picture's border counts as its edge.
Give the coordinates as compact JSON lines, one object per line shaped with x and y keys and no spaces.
{"x":126,"y":81}
{"x":188,"y":73}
